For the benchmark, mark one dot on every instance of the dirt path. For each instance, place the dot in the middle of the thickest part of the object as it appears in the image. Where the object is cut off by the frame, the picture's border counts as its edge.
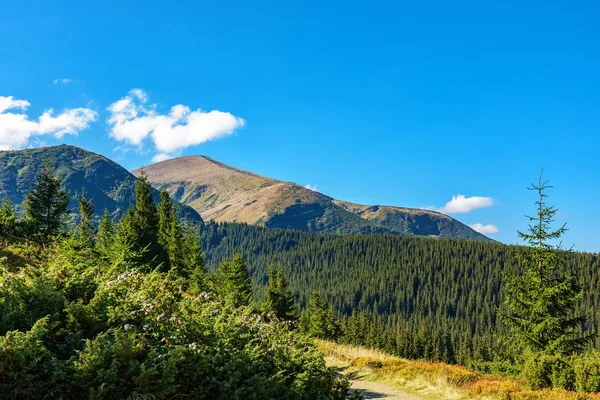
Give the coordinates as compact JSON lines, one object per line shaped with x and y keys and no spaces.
{"x":376,"y":390}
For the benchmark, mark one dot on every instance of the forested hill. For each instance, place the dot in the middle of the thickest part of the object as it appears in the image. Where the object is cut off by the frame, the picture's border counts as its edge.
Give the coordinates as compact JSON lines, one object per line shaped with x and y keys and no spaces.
{"x":419,"y":297}
{"x":223,"y":193}
{"x":109,"y":185}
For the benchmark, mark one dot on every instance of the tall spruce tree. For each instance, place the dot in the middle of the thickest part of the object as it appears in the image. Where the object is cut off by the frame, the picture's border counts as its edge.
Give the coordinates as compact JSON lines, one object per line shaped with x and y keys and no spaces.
{"x":194,"y":267}
{"x":145,"y":223}
{"x":541,"y":303}
{"x":279,"y":298}
{"x":8,"y":216}
{"x":46,"y":205}
{"x":170,"y":236}
{"x":85,"y":227}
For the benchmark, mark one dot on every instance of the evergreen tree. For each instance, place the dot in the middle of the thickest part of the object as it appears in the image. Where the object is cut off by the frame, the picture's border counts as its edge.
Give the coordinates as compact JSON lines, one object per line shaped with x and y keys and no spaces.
{"x":46,"y":205}
{"x":193,"y":259}
{"x":8,"y":216}
{"x":279,"y":298}
{"x":125,"y":248}
{"x":106,"y":233}
{"x":321,"y":320}
{"x":235,"y":282}
{"x":145,"y":223}
{"x":85,"y":228}
{"x":541,"y":303}
{"x":170,"y":236}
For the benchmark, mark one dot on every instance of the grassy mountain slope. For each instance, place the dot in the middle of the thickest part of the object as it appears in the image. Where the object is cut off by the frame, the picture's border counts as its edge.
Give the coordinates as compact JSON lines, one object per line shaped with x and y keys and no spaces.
{"x":106,"y":182}
{"x":226,"y":194}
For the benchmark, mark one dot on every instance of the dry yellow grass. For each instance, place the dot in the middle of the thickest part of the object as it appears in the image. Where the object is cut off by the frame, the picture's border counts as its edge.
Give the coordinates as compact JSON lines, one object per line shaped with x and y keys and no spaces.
{"x":434,"y":380}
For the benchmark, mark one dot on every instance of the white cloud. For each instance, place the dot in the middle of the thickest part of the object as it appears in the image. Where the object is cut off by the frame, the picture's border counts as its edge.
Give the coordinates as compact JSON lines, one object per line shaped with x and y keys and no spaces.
{"x":161,"y":157}
{"x":16,"y":129}
{"x":311,"y":187}
{"x":488,"y":229}
{"x":132,"y":121}
{"x":64,"y":81}
{"x":461,"y":204}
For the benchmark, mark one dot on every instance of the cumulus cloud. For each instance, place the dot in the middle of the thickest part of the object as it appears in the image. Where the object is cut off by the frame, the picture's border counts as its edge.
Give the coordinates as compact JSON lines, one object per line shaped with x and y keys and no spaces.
{"x":311,"y":187}
{"x":63,"y":81}
{"x":17,"y":129}
{"x":161,"y":157}
{"x":133,"y":121}
{"x":461,"y":204}
{"x":488,"y":229}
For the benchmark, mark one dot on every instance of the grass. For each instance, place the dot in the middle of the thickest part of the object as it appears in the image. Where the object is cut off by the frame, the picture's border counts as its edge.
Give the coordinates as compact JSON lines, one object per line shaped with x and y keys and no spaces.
{"x":434,"y":380}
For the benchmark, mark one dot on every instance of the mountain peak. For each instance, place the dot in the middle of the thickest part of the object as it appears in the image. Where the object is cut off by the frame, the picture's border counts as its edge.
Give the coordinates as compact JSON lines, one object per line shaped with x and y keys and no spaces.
{"x":224,"y":193}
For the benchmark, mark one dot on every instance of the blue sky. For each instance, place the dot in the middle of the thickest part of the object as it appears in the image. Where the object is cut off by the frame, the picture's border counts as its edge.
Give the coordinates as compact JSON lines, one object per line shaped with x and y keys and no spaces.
{"x":395,"y":103}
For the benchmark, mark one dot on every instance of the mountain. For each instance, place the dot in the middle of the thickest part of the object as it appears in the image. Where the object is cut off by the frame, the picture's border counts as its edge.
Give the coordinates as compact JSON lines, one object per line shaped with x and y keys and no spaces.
{"x":226,"y":194}
{"x":109,"y":185}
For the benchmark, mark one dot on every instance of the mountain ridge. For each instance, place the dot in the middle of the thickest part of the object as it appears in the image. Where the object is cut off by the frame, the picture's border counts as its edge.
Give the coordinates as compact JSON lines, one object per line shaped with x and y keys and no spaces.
{"x":107,"y":183}
{"x":224,"y":193}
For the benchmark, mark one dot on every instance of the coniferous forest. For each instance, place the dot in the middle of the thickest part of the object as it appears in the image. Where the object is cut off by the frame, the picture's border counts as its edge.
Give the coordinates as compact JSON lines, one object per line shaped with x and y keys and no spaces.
{"x":151,"y":306}
{"x":416,"y":297}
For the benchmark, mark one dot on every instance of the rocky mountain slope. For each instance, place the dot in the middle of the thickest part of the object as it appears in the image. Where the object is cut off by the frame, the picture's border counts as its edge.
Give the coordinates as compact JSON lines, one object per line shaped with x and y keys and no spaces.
{"x":223,"y":193}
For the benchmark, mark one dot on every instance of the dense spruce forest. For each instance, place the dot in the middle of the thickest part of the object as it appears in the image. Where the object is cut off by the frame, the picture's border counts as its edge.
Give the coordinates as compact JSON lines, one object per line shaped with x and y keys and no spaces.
{"x":435,"y":299}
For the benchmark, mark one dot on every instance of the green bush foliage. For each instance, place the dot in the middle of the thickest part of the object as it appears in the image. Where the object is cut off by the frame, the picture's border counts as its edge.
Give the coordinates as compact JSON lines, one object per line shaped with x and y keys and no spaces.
{"x":587,"y":372}
{"x":97,"y":320}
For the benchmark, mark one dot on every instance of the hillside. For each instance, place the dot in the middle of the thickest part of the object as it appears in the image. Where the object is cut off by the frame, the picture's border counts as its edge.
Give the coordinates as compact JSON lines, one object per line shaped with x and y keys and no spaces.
{"x":416,"y":297}
{"x":106,"y":182}
{"x":226,"y":194}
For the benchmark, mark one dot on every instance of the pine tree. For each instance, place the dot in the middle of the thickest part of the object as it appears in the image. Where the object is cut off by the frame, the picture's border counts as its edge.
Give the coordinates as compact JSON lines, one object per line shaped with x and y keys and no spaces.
{"x":193,"y":259}
{"x":321,"y":319}
{"x":85,"y":228}
{"x":541,"y":303}
{"x":235,"y":282}
{"x":8,"y":216}
{"x":145,"y":223}
{"x":170,"y":236}
{"x":106,"y":233}
{"x":279,"y":298}
{"x":46,"y":205}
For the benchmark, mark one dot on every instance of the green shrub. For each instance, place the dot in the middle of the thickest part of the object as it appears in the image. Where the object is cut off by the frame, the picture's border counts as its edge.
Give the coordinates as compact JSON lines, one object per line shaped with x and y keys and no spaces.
{"x":587,"y":372}
{"x":563,"y":374}
{"x":538,"y":370}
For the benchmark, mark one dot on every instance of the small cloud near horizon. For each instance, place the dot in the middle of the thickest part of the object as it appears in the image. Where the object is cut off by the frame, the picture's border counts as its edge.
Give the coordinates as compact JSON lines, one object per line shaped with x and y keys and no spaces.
{"x":311,"y":187}
{"x":63,"y":81}
{"x":461,"y":204}
{"x":488,"y":229}
{"x":161,"y":157}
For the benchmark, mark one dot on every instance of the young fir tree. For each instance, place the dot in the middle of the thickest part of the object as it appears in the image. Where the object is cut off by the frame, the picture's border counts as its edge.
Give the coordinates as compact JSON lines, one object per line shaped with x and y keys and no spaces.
{"x":46,"y":205}
{"x":279,"y":298}
{"x":194,"y":266}
{"x":319,"y":321}
{"x":541,"y":303}
{"x":106,"y":233}
{"x":8,"y":216}
{"x":169,"y":234}
{"x":234,"y":282}
{"x":85,"y":227}
{"x":145,"y":224}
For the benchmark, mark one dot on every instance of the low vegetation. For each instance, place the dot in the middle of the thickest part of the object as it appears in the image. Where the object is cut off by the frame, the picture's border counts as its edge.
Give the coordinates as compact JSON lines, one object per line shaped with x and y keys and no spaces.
{"x":438,"y":380}
{"x":129,"y":311}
